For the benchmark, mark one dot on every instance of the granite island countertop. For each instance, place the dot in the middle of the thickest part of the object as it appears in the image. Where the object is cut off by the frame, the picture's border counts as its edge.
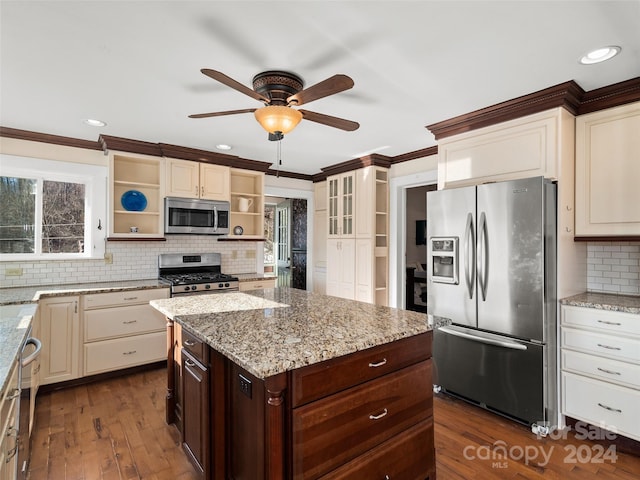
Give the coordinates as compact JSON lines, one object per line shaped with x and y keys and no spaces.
{"x":15,"y":321}
{"x":17,"y":295}
{"x":605,"y":301}
{"x":275,"y":330}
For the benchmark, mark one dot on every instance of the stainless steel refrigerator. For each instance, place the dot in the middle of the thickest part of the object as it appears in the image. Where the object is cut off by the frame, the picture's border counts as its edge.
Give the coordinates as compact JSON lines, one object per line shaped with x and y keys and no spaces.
{"x":491,"y":269}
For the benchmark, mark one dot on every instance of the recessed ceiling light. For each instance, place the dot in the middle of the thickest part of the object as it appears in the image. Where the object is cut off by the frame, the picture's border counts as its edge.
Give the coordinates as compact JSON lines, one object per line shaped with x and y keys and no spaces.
{"x":95,"y":123}
{"x":223,"y":146}
{"x":600,"y":55}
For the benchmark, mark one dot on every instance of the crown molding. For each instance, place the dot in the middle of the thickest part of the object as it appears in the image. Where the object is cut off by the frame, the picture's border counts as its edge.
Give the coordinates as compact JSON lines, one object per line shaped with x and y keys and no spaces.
{"x":610,"y":96}
{"x":283,"y":173}
{"x":565,"y":95}
{"x":129,"y":145}
{"x":48,"y":138}
{"x":205,"y":156}
{"x":423,"y":152}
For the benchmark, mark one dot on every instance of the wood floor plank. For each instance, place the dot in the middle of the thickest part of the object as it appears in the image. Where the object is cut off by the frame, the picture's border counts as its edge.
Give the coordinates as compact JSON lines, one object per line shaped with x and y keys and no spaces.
{"x":115,"y":429}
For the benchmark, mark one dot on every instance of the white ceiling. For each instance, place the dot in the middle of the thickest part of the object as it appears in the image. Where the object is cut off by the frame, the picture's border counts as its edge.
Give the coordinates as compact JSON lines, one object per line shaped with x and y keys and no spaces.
{"x":136,"y":65}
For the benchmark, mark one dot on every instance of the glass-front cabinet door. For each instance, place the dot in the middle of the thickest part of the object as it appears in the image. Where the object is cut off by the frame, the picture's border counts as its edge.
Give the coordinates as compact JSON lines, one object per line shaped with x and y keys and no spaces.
{"x":341,"y":205}
{"x":332,"y":204}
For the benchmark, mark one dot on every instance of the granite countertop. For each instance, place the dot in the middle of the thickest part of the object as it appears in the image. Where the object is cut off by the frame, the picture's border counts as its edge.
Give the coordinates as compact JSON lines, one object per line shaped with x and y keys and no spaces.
{"x":254,"y":277}
{"x":17,"y":295}
{"x":605,"y":301}
{"x":15,"y":321}
{"x":275,"y":330}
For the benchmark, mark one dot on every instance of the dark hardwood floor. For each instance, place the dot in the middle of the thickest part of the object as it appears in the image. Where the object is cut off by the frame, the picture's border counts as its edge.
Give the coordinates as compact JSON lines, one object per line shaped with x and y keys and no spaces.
{"x":114,"y":429}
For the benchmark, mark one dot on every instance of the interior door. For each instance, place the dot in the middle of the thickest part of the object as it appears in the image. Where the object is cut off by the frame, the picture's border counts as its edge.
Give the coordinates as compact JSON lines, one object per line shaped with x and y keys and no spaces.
{"x":282,"y":235}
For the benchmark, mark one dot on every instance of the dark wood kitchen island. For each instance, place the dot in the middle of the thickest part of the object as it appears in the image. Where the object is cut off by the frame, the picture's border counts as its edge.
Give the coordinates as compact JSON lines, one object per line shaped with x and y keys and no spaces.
{"x":287,"y":384}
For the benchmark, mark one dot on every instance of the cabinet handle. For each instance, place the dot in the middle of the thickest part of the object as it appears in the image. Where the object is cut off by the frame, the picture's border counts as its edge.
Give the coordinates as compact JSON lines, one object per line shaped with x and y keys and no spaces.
{"x":609,"y":347}
{"x":202,"y":194}
{"x":75,"y":308}
{"x":188,"y":343}
{"x":130,"y":298}
{"x":197,"y":188}
{"x":378,"y":417}
{"x":378,"y":364}
{"x":14,"y":394}
{"x":617,"y":324}
{"x":609,"y":408}
{"x":130,"y":352}
{"x":129,"y":322}
{"x":609,"y":371}
{"x":189,"y":363}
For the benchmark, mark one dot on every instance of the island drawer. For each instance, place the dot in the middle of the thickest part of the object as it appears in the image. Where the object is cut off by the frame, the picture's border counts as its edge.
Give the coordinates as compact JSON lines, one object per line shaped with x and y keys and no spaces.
{"x":124,"y":352}
{"x":125,"y":297}
{"x":325,"y":378}
{"x":604,"y":320}
{"x":194,"y":346}
{"x":388,"y":460}
{"x":336,"y":429}
{"x":121,"y":321}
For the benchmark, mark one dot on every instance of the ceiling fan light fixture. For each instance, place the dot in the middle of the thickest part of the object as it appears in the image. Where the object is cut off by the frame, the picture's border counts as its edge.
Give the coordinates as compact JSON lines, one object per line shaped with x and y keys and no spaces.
{"x":278,"y":118}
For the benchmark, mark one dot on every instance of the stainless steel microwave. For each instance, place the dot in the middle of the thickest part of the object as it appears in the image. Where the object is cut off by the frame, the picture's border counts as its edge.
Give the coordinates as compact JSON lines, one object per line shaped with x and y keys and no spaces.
{"x":194,"y":216}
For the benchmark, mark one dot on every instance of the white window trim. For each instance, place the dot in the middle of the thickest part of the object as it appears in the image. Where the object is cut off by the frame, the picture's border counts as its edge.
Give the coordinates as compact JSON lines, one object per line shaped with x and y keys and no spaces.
{"x":95,"y":179}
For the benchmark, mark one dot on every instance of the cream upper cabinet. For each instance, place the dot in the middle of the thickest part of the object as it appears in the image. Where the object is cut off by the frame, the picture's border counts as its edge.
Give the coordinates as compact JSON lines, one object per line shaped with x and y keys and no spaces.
{"x":188,"y":179}
{"x":341,"y":205}
{"x":608,"y":172}
{"x":136,"y":192}
{"x":530,"y":146}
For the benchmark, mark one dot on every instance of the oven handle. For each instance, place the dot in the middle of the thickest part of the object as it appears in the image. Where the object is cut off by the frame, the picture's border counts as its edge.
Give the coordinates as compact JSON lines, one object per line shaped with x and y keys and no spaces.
{"x":32,"y":356}
{"x":215,"y":219}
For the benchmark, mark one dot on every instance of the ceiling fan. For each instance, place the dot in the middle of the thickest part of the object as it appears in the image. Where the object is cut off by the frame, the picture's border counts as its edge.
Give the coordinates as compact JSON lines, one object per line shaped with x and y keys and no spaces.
{"x":279,"y":91}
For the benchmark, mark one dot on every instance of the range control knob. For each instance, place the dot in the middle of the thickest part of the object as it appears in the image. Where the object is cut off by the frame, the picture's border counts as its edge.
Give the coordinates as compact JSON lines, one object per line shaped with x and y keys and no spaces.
{"x":193,"y":287}
{"x":187,"y":288}
{"x":207,"y":286}
{"x":226,"y":284}
{"x":220,"y":285}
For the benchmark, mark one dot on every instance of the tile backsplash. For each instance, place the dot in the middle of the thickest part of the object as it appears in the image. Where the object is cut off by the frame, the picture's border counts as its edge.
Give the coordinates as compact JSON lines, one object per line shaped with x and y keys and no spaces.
{"x":613,"y":267}
{"x":131,"y":261}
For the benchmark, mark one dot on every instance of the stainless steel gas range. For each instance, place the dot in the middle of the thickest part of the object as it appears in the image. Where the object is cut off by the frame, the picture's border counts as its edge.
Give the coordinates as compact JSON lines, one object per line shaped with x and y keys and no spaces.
{"x":194,"y":274}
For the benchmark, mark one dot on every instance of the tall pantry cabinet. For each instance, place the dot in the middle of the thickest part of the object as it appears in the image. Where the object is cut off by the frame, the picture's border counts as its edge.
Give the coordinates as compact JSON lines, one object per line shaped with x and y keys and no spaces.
{"x":357,"y":245}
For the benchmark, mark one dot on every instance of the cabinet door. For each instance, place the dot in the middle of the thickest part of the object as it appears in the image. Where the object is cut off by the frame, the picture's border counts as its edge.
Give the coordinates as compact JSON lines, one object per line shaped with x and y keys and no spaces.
{"x":607,"y":172}
{"x":195,"y":408}
{"x":60,"y":327}
{"x":364,"y":270}
{"x":332,"y":207}
{"x":183,"y":178}
{"x":341,"y":268}
{"x":214,"y":182}
{"x":341,"y":204}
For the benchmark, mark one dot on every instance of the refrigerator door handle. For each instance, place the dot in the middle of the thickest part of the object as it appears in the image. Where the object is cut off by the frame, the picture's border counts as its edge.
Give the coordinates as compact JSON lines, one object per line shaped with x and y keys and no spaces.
{"x":489,"y":341}
{"x":482,"y":256}
{"x":469,"y":237}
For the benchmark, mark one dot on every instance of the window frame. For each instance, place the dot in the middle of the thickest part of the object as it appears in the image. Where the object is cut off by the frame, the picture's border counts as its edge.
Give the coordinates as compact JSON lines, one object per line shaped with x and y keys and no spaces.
{"x":93,"y":177}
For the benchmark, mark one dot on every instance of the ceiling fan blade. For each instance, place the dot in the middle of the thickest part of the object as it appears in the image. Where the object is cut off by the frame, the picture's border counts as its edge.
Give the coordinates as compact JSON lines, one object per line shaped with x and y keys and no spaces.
{"x":230,"y":82}
{"x":336,"y":84}
{"x":220,"y":114}
{"x":330,"y":121}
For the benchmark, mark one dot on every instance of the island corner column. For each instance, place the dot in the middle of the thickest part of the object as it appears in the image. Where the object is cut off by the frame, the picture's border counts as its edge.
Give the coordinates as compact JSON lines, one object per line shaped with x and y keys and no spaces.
{"x":276,"y":427}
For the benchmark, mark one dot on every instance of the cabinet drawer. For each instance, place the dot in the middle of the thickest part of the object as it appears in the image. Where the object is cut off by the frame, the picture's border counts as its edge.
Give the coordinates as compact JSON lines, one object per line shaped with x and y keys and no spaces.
{"x":124,"y":352}
{"x":126,"y":297}
{"x":601,"y":404}
{"x":388,"y":460}
{"x":195,"y":347}
{"x":257,"y":284}
{"x":605,"y":320}
{"x":339,"y":428}
{"x":325,"y":378}
{"x":613,"y":371}
{"x":9,"y":395}
{"x":606,"y":345}
{"x":121,"y":321}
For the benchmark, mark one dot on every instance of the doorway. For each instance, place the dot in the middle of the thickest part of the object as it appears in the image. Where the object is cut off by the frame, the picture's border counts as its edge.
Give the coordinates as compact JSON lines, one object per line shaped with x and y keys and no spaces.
{"x":285,"y":252}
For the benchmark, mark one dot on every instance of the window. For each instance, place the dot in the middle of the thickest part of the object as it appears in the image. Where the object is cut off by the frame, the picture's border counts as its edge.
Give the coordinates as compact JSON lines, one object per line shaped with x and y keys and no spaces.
{"x":48,"y":209}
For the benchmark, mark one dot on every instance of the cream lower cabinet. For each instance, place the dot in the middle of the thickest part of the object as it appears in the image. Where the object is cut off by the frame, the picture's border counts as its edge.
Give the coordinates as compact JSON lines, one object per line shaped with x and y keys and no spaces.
{"x":600,"y":361}
{"x":189,"y":179}
{"x":9,"y":398}
{"x":60,"y":329}
{"x":607,"y":172}
{"x":121,"y":330}
{"x":257,"y":284}
{"x":341,"y":261}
